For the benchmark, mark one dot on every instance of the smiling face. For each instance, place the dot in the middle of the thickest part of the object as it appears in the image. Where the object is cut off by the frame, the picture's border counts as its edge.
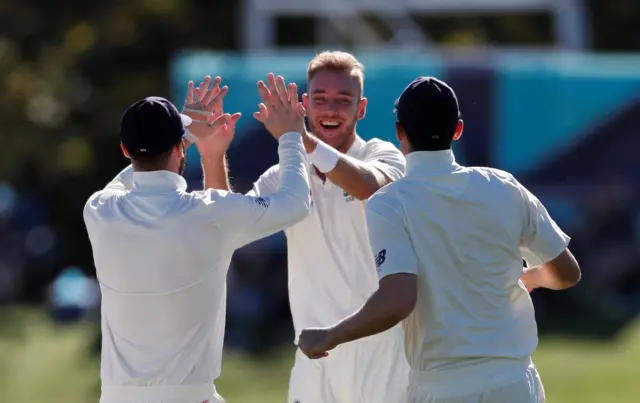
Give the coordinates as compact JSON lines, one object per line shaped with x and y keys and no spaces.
{"x":334,"y":105}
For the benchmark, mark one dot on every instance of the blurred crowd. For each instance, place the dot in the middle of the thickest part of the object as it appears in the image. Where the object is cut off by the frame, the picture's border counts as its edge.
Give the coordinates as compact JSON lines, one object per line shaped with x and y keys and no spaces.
{"x":70,"y":67}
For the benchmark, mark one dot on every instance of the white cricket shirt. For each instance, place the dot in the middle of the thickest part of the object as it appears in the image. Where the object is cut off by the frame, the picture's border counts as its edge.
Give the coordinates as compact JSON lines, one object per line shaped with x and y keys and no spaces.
{"x":161,"y":257}
{"x":331,"y":267}
{"x":464,"y":232}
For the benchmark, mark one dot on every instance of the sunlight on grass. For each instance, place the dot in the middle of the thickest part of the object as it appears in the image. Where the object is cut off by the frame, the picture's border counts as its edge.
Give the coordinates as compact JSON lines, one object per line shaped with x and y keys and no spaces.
{"x":39,"y":362}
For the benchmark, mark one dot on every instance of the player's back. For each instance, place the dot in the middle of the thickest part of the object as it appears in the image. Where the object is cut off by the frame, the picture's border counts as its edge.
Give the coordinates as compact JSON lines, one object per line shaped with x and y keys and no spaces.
{"x":465,"y":225}
{"x":161,"y":265}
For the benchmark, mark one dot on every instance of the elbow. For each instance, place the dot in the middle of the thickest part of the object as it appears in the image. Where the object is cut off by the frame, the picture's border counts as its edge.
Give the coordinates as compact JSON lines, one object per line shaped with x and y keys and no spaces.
{"x":402,"y":294}
{"x":406,"y":305}
{"x":302,"y":211}
{"x":300,"y":208}
{"x":365,"y":191}
{"x":566,"y":270}
{"x":570,"y":276}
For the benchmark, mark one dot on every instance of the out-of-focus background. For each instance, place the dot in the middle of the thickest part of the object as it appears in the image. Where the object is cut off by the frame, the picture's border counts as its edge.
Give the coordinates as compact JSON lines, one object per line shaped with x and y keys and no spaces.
{"x":549,"y":90}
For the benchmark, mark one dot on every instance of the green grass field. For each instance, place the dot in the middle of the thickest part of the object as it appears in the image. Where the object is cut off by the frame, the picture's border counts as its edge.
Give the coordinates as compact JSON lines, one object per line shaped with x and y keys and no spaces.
{"x":40,"y":363}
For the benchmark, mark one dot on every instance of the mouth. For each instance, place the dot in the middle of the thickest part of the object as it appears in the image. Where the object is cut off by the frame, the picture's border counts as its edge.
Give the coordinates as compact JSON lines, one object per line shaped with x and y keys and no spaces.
{"x":330,"y":125}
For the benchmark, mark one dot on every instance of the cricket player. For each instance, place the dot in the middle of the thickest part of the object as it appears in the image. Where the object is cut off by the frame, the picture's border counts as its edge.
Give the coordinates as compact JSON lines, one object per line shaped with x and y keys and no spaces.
{"x":449,"y":242}
{"x":162,"y":253}
{"x":330,"y":263}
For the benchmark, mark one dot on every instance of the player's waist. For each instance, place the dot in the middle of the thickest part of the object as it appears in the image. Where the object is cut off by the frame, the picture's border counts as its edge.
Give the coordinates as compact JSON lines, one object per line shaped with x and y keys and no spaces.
{"x":196,"y":393}
{"x":463,"y":379}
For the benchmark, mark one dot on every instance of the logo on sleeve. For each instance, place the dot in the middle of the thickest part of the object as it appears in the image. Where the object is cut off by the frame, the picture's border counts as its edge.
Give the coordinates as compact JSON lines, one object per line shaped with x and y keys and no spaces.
{"x":261,"y":201}
{"x":380,"y":258}
{"x":347,"y":197}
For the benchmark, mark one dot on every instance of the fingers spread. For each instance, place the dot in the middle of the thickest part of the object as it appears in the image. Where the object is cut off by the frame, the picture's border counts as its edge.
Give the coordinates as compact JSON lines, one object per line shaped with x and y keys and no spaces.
{"x":293,"y":94}
{"x":204,"y":88}
{"x":196,"y":95}
{"x":265,"y":94}
{"x":217,"y":100}
{"x":220,"y":121}
{"x":300,"y":109}
{"x":263,"y":114}
{"x":233,"y":120}
{"x":189,"y":99}
{"x":275,"y":96}
{"x":282,"y":90}
{"x":213,"y":91}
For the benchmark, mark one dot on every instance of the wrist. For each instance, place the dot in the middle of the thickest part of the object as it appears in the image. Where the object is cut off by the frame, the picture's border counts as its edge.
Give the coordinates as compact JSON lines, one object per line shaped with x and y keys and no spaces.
{"x":324,"y":157}
{"x":212,"y":156}
{"x":310,"y":142}
{"x":190,"y":138}
{"x":336,"y":335}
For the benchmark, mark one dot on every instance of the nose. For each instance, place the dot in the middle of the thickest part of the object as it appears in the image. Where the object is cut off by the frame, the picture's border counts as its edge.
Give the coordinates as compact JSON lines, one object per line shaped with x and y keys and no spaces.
{"x":332,"y":109}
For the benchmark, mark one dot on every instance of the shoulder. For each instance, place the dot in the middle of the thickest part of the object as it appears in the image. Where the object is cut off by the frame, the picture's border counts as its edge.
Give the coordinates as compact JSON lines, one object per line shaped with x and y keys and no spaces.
{"x":272,"y":170}
{"x":386,"y":155}
{"x":498,"y":175}
{"x":270,"y":174}
{"x":101,"y":201}
{"x":376,"y":144}
{"x":387,"y":197}
{"x":206,"y":195}
{"x":498,"y":182}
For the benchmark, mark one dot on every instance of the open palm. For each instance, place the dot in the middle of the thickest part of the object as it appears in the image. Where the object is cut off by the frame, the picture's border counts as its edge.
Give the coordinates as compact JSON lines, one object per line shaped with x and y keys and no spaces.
{"x":213,"y":128}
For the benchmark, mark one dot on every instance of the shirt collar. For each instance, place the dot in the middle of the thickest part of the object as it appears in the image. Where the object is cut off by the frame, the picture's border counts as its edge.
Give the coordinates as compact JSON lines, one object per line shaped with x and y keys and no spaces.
{"x":431,"y":161}
{"x":357,"y":145}
{"x":158,"y":181}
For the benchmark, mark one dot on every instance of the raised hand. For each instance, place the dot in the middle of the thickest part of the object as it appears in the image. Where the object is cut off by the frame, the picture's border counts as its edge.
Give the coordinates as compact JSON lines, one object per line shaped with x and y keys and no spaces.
{"x":280,"y":110}
{"x":213,"y":128}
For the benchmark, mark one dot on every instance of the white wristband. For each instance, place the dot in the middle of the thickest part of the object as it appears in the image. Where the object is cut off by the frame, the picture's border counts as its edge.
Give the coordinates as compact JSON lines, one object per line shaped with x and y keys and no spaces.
{"x":324,"y":157}
{"x":190,"y":137}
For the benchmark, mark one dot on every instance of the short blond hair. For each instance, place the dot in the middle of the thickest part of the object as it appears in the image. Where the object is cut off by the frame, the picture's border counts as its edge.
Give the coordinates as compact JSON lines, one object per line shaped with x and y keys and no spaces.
{"x":337,"y":61}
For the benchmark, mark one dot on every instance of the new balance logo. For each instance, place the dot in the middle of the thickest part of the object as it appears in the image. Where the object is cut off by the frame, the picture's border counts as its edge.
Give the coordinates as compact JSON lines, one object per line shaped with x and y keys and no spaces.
{"x":380,"y":258}
{"x":347,"y":197}
{"x":262,"y":201}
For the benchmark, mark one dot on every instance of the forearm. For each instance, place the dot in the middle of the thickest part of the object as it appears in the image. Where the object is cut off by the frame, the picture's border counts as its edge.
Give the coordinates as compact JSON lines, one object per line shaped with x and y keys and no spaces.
{"x":357,"y":178}
{"x":290,"y":202}
{"x":378,"y":314}
{"x":214,"y":172}
{"x":545,"y":276}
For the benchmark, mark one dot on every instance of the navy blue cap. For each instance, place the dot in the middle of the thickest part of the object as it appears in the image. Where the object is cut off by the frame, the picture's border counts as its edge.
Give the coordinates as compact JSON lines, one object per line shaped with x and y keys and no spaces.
{"x":151,"y":126}
{"x":428,"y":108}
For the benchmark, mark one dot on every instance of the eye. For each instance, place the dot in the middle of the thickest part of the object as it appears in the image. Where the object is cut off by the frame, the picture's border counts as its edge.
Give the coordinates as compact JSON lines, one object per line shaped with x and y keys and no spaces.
{"x":318,"y":100}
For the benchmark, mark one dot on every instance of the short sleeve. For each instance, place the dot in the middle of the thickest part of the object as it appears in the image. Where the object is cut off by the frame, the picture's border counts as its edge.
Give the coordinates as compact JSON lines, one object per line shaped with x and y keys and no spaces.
{"x":389,"y":239}
{"x":542,"y":239}
{"x":384,"y":156}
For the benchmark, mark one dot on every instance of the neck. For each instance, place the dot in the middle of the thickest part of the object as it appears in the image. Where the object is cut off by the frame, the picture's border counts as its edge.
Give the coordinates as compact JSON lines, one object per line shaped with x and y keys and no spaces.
{"x":137,"y":168}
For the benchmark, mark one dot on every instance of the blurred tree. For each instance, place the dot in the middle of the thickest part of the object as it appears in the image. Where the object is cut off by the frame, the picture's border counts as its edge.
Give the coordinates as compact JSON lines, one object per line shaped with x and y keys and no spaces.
{"x":68,"y":69}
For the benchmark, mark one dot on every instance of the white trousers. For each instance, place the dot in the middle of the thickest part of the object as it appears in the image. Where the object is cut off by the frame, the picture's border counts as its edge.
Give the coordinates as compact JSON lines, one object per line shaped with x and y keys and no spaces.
{"x":205,"y":393}
{"x":513,"y":385}
{"x":371,"y":370}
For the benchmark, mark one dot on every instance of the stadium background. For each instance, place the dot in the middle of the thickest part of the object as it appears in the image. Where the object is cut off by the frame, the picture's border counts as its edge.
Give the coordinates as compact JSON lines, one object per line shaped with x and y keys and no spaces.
{"x":548,"y":90}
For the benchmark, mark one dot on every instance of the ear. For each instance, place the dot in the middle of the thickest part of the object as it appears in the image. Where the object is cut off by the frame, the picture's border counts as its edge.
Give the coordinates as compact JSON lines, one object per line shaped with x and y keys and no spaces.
{"x":362,"y":108}
{"x":180,"y":149}
{"x":124,"y":151}
{"x":400,"y":134}
{"x":459,"y":130}
{"x":305,"y":101}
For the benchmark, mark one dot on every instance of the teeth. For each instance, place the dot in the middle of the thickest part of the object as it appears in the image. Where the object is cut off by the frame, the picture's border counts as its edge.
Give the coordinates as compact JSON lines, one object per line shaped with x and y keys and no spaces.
{"x":330,"y":124}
